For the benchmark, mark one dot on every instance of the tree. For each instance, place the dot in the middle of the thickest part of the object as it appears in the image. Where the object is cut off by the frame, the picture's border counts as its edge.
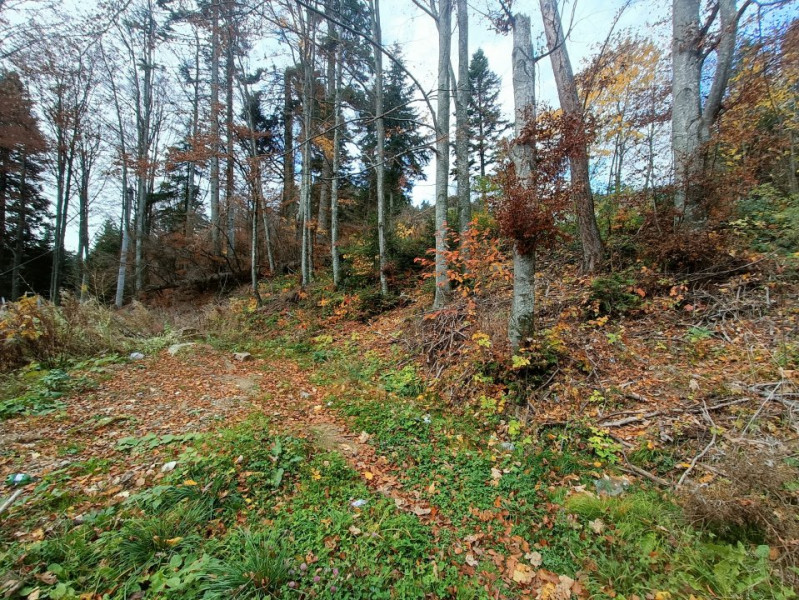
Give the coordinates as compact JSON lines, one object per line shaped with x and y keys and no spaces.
{"x":23,"y":210}
{"x":444,"y":19}
{"x":462,"y":95}
{"x":406,"y":149}
{"x":625,"y":90}
{"x":380,"y":154}
{"x":692,"y":119}
{"x":522,"y":312}
{"x":573,"y":110}
{"x":486,"y":124}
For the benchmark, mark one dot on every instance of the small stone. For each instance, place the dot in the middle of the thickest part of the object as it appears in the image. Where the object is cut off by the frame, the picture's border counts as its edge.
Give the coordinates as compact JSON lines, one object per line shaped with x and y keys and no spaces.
{"x":170,"y":466}
{"x":136,"y":356}
{"x":242,"y":356}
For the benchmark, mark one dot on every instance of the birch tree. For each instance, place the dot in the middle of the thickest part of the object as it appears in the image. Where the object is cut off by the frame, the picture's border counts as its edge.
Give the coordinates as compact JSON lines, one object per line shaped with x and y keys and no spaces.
{"x":522,"y":154}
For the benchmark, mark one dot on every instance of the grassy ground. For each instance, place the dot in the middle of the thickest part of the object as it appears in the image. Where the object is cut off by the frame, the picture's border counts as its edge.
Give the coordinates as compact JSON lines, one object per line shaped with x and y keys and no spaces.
{"x":328,"y":467}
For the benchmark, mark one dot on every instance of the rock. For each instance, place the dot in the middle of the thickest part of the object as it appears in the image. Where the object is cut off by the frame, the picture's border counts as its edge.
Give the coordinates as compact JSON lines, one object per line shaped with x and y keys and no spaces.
{"x":242,"y":356}
{"x":136,"y":356}
{"x":611,"y":486}
{"x":170,"y":466}
{"x":509,"y":446}
{"x":176,"y":349}
{"x":189,"y":333}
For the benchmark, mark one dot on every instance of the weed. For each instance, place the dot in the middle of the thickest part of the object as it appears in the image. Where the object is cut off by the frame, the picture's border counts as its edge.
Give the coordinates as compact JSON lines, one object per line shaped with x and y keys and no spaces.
{"x":257,"y":567}
{"x":405,"y":382}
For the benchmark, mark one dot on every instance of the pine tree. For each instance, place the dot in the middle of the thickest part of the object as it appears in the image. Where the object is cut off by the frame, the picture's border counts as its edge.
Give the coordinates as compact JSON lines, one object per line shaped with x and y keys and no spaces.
{"x":485,"y":114}
{"x":23,"y":208}
{"x":406,"y":154}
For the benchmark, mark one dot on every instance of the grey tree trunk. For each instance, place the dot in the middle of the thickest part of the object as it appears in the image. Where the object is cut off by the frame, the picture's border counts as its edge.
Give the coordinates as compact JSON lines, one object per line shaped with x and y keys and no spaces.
{"x":442,"y":153}
{"x":144,"y":110}
{"x":338,"y":124}
{"x":685,"y":112}
{"x":19,"y":246}
{"x":214,"y":130}
{"x":520,"y":326}
{"x":380,"y":153}
{"x":578,"y":161}
{"x":229,"y":138}
{"x":127,"y":200}
{"x":287,"y":202}
{"x":195,"y":130}
{"x":462,"y":122}
{"x":306,"y":179}
{"x":691,"y":123}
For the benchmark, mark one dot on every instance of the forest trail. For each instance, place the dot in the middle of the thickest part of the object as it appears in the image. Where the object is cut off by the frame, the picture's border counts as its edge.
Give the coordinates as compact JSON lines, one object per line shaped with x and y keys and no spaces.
{"x":165,"y":399}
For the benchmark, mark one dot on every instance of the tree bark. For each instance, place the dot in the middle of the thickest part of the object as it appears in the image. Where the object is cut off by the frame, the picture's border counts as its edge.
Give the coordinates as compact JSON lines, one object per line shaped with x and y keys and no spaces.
{"x":462,"y":125}
{"x":288,"y":143}
{"x":578,"y":161}
{"x":334,"y":184}
{"x":380,"y":154}
{"x":442,"y":154}
{"x":19,"y":246}
{"x":214,"y":130}
{"x":691,"y":123}
{"x":229,"y":137}
{"x":520,"y":326}
{"x":306,"y":180}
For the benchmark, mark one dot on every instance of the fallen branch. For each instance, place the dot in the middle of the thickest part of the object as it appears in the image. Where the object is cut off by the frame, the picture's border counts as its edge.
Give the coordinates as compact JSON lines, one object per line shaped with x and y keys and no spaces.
{"x":11,"y":499}
{"x":699,"y":456}
{"x":656,"y":413}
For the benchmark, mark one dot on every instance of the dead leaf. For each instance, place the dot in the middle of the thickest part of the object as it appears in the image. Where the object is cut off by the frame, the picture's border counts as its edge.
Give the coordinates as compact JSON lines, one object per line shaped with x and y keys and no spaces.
{"x":471,"y":560}
{"x":597,"y":526}
{"x":523,"y":574}
{"x":535,"y":558}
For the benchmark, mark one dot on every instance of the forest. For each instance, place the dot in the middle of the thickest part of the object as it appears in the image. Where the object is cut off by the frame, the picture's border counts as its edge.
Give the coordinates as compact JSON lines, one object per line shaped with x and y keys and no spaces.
{"x":294,"y":306}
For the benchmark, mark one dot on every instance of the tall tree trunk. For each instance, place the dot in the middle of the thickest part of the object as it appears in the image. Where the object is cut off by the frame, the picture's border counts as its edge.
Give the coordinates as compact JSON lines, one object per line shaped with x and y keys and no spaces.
{"x":685,"y":113}
{"x":83,"y":223}
{"x":229,"y":164}
{"x":256,"y":182}
{"x":462,"y":123}
{"x":127,"y":200}
{"x":442,"y":153}
{"x":306,"y":265}
{"x":195,"y":131}
{"x":287,"y":202}
{"x":214,"y":130}
{"x":3,"y":196}
{"x":334,"y":184}
{"x":520,"y":326}
{"x":254,"y":249}
{"x":578,"y":161}
{"x":19,"y":246}
{"x":380,"y":152}
{"x":793,"y":182}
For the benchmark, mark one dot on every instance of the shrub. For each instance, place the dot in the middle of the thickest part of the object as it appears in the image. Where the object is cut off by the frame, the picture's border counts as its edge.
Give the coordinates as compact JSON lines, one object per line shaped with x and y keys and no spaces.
{"x":34,"y":329}
{"x":613,"y":295}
